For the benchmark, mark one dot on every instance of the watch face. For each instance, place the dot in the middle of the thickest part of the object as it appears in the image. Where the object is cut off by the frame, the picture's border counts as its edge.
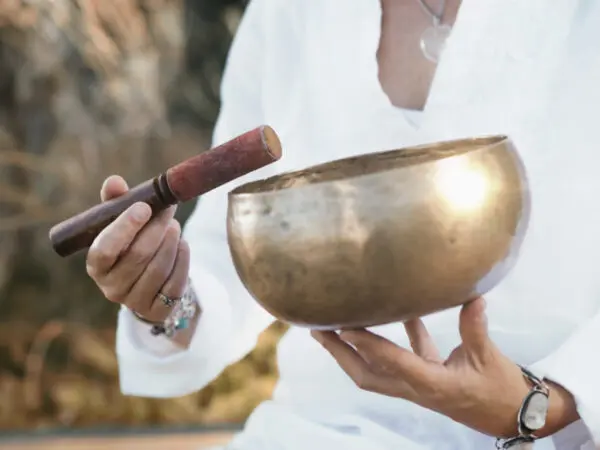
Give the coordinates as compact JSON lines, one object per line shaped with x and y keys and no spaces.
{"x":534,"y":411}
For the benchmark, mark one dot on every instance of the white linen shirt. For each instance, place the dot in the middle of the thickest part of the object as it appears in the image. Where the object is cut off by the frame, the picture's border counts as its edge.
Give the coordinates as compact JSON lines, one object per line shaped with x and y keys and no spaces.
{"x":529,"y":69}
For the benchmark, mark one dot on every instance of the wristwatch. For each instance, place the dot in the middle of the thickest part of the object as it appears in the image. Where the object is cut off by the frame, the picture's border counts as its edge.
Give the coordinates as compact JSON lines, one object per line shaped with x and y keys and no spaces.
{"x":532,"y":414}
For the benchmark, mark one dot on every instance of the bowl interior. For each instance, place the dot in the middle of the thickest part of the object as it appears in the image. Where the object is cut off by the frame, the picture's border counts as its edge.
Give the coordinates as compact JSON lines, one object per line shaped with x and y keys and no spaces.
{"x":368,"y":164}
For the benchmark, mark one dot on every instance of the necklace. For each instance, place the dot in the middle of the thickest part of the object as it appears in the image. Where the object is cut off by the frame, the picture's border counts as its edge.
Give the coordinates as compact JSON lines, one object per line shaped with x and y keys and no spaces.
{"x":434,"y":37}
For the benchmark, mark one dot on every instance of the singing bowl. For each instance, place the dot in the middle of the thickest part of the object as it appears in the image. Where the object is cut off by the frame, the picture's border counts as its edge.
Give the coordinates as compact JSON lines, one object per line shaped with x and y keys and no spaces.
{"x":381,"y":237}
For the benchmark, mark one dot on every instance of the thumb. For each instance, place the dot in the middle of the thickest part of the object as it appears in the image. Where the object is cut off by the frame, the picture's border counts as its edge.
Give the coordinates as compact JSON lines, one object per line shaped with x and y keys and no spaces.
{"x":114,"y":186}
{"x":473,"y":328}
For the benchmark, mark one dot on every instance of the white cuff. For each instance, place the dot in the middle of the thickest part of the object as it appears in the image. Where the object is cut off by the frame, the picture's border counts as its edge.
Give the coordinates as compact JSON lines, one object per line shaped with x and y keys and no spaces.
{"x":576,"y":367}
{"x":141,"y":338}
{"x":162,"y":369}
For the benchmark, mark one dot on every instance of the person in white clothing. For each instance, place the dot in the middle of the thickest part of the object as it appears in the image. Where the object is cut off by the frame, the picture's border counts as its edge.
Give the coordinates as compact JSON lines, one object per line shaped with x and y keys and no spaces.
{"x":338,"y":78}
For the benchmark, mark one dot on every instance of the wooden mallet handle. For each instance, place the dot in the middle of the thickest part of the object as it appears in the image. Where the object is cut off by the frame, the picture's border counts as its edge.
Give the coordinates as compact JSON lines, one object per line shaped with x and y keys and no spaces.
{"x":182,"y":182}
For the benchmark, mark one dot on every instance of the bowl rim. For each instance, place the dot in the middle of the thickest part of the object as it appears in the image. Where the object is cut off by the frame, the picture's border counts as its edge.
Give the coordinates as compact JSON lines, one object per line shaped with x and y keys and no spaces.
{"x":475,"y":144}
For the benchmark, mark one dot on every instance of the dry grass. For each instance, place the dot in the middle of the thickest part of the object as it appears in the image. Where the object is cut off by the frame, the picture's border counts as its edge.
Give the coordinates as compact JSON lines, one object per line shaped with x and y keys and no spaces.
{"x":69,"y":379}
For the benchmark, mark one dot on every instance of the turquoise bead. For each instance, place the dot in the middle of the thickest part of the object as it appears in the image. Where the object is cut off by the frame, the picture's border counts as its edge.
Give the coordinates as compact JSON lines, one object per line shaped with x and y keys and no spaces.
{"x":182,"y":324}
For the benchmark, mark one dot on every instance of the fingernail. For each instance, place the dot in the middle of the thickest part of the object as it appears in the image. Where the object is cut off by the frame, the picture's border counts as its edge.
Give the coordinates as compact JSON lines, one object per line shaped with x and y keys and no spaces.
{"x":483,"y":308}
{"x":183,"y":246}
{"x":482,"y":313}
{"x":174,"y":225}
{"x":139,"y":212}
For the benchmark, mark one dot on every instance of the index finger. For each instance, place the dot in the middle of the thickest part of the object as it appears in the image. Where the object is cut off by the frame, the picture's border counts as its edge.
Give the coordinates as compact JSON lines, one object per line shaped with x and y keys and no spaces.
{"x":404,"y":363}
{"x":347,"y":358}
{"x":116,"y":238}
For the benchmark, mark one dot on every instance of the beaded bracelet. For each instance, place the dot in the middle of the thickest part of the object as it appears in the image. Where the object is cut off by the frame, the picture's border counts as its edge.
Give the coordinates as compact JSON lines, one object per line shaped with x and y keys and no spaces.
{"x":184,"y":309}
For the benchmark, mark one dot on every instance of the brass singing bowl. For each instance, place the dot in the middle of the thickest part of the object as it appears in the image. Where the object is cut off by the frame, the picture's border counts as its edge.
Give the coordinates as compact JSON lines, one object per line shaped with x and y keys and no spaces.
{"x":382,"y":237}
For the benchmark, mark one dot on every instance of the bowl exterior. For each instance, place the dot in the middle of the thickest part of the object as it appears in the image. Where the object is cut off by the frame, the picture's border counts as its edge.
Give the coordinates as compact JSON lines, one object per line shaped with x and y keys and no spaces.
{"x":384,"y":247}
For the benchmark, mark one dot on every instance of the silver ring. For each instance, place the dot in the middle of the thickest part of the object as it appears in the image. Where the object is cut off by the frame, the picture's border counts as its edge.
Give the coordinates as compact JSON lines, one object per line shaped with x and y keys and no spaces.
{"x":169,"y":302}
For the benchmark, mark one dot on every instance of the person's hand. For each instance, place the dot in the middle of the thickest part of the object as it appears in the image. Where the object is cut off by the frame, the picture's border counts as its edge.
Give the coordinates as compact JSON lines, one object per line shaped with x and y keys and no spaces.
{"x":135,"y":258}
{"x":477,"y":385}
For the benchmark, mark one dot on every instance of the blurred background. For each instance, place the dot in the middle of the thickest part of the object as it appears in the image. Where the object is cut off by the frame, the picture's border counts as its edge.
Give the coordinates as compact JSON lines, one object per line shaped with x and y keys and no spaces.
{"x":90,"y":88}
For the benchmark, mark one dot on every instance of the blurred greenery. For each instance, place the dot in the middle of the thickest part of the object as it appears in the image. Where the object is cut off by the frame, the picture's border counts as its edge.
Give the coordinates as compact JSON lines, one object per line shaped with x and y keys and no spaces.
{"x":89,"y":88}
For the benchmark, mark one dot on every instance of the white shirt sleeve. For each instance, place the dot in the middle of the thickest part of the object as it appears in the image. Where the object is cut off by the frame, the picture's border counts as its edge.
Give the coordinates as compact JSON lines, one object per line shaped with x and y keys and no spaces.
{"x":231,"y":320}
{"x":576,"y":367}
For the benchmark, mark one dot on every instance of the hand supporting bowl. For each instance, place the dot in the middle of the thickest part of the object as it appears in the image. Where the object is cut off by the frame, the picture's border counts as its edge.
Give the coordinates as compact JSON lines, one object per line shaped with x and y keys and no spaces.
{"x":382,"y":237}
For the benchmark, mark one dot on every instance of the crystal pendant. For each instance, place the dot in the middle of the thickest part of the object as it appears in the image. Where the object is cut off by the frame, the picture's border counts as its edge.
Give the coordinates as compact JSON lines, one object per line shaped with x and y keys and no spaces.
{"x":433,"y":41}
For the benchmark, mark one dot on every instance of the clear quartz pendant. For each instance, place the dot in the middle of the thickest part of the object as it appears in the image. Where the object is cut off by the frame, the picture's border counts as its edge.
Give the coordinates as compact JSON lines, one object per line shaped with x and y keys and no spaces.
{"x":433,"y":41}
